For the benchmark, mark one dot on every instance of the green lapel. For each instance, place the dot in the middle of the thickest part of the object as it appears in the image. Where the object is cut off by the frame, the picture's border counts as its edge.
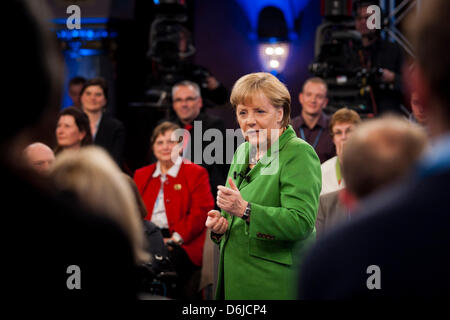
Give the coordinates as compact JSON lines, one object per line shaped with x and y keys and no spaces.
{"x":263,"y":166}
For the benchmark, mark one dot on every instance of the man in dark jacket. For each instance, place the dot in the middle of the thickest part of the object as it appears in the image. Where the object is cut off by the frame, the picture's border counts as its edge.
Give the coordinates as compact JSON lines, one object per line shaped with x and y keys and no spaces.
{"x":381,"y":54}
{"x":187,"y":103}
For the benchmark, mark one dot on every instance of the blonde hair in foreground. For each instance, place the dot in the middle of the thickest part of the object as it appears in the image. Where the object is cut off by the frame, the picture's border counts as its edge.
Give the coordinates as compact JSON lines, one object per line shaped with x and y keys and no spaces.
{"x":101,"y":187}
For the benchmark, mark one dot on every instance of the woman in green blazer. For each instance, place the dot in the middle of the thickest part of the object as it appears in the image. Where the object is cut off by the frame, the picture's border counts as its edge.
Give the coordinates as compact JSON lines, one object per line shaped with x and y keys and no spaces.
{"x":270,"y":200}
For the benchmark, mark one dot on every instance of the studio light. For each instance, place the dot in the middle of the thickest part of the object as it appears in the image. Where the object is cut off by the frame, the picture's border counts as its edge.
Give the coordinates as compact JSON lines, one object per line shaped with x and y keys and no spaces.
{"x":269,"y":51}
{"x":279,"y":51}
{"x":273,"y":36}
{"x":273,"y":55}
{"x":274,"y":64}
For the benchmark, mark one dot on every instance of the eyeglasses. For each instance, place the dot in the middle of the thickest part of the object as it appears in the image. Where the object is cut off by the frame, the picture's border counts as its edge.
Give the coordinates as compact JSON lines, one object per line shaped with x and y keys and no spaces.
{"x":188,"y":99}
{"x":339,"y":133}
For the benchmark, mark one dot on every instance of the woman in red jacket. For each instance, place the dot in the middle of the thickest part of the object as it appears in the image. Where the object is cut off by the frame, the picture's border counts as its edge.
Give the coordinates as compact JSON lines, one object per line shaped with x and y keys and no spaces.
{"x":178,"y":197}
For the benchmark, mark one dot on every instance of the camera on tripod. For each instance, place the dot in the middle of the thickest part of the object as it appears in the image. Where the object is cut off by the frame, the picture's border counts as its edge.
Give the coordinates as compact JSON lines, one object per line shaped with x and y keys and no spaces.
{"x":338,"y":60}
{"x":170,"y":48}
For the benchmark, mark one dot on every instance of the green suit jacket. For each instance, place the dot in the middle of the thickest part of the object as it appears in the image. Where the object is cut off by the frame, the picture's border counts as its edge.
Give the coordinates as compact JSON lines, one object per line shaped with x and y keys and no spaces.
{"x":257,"y":258}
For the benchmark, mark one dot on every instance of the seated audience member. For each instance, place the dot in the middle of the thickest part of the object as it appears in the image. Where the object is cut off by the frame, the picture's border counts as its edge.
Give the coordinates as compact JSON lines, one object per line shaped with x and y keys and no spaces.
{"x":75,"y":86}
{"x":177,"y":196}
{"x":73,"y":130}
{"x":107,"y":132}
{"x":312,"y":124}
{"x":378,"y":153}
{"x":187,"y":103}
{"x":97,"y":181}
{"x":342,"y":123}
{"x":39,"y":156}
{"x":57,"y":233}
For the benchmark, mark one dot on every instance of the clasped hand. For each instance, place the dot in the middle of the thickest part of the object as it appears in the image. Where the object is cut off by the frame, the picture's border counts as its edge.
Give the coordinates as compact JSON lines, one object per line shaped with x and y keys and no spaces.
{"x":229,"y":200}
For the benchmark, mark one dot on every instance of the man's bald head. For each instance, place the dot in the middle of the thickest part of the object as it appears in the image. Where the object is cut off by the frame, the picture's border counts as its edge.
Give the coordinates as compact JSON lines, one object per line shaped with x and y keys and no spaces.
{"x":39,"y":156}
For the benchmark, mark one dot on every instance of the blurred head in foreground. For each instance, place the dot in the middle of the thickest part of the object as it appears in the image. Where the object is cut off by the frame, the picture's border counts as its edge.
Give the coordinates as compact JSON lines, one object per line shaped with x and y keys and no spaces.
{"x":39,"y":156}
{"x":100,"y":185}
{"x":379,"y":152}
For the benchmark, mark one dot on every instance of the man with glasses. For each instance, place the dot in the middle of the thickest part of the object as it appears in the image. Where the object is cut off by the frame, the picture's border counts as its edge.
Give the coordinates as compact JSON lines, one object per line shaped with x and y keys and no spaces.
{"x":187,"y":103}
{"x":341,"y":125}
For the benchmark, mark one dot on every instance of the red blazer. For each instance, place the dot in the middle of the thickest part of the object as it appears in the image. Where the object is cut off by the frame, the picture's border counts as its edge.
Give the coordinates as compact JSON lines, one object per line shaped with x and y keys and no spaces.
{"x":187,"y":200}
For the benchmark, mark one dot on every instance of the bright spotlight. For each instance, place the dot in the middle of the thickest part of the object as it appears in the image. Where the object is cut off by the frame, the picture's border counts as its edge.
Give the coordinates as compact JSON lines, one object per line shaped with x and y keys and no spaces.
{"x":279,"y":51}
{"x":273,"y":56}
{"x":269,"y":51}
{"x":274,"y":64}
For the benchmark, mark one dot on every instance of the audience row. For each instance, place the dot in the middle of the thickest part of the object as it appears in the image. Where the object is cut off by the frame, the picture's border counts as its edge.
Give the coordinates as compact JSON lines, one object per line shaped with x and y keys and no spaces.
{"x":176,"y":193}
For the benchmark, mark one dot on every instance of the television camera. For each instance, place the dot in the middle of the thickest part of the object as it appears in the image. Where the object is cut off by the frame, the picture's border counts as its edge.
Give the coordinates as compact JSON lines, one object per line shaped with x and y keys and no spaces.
{"x":338,"y":60}
{"x":170,"y":50}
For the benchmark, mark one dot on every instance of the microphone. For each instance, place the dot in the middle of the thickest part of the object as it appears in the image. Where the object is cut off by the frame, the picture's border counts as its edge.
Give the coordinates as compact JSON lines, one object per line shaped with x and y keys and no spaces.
{"x":240,"y":174}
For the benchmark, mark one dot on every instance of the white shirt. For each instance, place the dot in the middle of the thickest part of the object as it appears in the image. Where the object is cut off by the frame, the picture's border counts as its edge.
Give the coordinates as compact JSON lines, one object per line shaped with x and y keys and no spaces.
{"x":330,"y":182}
{"x":159,"y":216}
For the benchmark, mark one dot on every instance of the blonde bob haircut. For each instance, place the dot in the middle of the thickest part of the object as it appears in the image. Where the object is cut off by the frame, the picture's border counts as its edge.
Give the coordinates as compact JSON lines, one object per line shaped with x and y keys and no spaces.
{"x":101,"y":187}
{"x":255,"y":84}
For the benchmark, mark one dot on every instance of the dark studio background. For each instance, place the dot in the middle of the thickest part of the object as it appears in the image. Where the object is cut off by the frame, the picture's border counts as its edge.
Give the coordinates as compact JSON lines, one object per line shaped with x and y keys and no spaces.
{"x":222,"y":35}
